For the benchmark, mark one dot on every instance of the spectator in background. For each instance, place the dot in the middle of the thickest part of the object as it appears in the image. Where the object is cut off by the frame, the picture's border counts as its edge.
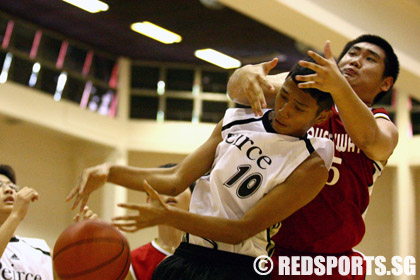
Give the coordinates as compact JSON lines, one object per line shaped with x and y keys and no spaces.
{"x":21,"y":257}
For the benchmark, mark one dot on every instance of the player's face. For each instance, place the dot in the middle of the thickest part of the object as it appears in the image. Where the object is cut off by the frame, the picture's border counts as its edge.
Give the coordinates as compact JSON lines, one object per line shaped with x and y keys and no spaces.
{"x":295,"y":110}
{"x":7,"y":194}
{"x":363,"y":67}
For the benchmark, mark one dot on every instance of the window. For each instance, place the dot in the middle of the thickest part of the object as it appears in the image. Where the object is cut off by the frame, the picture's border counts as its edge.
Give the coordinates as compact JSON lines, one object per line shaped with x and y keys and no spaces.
{"x":178,"y":109}
{"x":177,"y":79}
{"x":102,"y":68}
{"x":49,"y":48}
{"x":47,"y":79}
{"x":143,"y":107}
{"x":213,"y":111}
{"x":22,"y":37}
{"x":20,"y":70}
{"x":143,"y":77}
{"x":214,"y":81}
{"x":75,"y":58}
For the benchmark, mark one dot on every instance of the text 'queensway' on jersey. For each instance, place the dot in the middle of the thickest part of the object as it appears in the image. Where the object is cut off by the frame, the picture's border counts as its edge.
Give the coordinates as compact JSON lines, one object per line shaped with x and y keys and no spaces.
{"x":252,"y":152}
{"x":342,"y":141}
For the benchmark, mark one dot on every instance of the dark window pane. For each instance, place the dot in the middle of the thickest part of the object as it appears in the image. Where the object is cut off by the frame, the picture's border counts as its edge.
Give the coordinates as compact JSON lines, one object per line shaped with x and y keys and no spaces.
{"x":179,"y":79}
{"x":20,"y":70}
{"x":101,"y":68}
{"x":47,"y":80}
{"x":22,"y":37}
{"x":49,"y":48}
{"x":75,"y":58}
{"x":415,"y":121}
{"x":73,"y":90}
{"x":142,"y":107}
{"x":213,"y":111}
{"x":178,"y":109}
{"x":2,"y":57}
{"x":144,"y":77}
{"x":214,"y":81}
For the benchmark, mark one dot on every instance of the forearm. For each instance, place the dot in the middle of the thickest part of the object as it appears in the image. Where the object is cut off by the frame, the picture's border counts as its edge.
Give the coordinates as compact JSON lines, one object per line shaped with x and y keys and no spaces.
{"x":174,"y":180}
{"x":7,"y":230}
{"x":164,"y":180}
{"x":362,"y":127}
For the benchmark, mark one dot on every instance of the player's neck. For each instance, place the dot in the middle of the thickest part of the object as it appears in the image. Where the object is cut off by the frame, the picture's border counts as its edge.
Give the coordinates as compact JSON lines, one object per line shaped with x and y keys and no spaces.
{"x":168,"y":238}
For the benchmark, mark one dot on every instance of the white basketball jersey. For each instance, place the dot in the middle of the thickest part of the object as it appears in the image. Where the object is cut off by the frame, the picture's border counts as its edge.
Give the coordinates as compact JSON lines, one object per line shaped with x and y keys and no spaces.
{"x":26,"y":258}
{"x":251,"y":160}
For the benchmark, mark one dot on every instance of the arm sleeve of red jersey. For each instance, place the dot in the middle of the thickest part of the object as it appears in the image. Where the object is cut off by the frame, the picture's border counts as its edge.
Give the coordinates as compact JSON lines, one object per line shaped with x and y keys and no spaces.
{"x":381,"y":113}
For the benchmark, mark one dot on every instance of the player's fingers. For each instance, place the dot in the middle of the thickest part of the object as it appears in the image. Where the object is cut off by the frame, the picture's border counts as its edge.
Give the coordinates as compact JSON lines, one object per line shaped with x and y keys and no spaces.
{"x":76,"y":218}
{"x":269,"y":65}
{"x":327,"y":50}
{"x":255,"y":104}
{"x":150,"y":190}
{"x":71,"y":194}
{"x":76,"y":201}
{"x":75,"y":190}
{"x":129,"y":206}
{"x":304,"y":78}
{"x":313,"y":66}
{"x":318,"y":58}
{"x":122,"y":218}
{"x":85,"y":198}
{"x":310,"y":84}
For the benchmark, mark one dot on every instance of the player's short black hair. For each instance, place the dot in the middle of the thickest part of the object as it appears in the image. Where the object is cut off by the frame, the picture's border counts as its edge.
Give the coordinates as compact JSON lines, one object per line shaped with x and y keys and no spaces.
{"x":324,"y":99}
{"x":8,"y":171}
{"x":392,"y":65}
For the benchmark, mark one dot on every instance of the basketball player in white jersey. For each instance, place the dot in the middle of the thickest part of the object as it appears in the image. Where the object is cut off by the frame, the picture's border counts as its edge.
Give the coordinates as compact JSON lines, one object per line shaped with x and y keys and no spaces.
{"x":21,"y":257}
{"x":262,"y":170}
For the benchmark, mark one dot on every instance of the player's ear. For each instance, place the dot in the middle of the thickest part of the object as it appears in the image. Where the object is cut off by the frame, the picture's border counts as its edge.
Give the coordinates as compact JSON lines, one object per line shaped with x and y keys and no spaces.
{"x":323,"y":116}
{"x":387,"y":83}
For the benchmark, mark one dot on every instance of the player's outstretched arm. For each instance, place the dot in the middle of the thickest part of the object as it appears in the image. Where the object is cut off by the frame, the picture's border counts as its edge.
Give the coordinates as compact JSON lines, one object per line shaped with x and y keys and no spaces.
{"x":377,"y":138}
{"x":170,"y":181}
{"x":298,"y":190}
{"x":251,"y":85}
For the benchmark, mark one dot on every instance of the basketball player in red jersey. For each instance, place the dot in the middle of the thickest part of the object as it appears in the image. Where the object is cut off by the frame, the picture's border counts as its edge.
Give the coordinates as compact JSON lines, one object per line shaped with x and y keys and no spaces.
{"x":364,"y":138}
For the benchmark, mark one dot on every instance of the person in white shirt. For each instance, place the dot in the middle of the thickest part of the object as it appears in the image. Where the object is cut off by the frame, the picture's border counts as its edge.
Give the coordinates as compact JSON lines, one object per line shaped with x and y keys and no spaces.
{"x":21,"y":257}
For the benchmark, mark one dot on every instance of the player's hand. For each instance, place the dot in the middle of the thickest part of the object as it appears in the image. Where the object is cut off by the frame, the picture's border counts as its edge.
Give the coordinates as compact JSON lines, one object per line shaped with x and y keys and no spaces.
{"x":253,"y":81}
{"x":22,"y":200}
{"x":327,"y":76}
{"x":150,"y":214}
{"x":92,"y":178}
{"x":86,"y":214}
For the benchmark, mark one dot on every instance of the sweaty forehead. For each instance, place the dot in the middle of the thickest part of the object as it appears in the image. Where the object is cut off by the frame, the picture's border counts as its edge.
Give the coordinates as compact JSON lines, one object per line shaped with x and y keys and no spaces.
{"x":370,"y":48}
{"x":291,"y":89}
{"x":4,"y":178}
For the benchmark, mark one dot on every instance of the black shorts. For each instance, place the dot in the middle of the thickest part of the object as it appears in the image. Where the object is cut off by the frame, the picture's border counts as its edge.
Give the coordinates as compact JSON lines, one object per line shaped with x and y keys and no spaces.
{"x":193,"y":262}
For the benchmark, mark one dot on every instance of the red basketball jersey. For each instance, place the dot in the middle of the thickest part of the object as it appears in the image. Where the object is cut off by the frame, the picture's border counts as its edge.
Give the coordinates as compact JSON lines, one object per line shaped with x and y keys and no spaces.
{"x":333,"y":222}
{"x":146,"y":258}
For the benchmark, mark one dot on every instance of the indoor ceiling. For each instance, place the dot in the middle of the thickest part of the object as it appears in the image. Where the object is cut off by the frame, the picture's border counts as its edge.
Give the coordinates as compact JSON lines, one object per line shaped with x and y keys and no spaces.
{"x":221,"y":28}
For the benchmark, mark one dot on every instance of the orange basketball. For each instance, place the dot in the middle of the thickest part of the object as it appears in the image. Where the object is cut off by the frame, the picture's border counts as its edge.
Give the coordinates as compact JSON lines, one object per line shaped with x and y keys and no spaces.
{"x":91,"y":249}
